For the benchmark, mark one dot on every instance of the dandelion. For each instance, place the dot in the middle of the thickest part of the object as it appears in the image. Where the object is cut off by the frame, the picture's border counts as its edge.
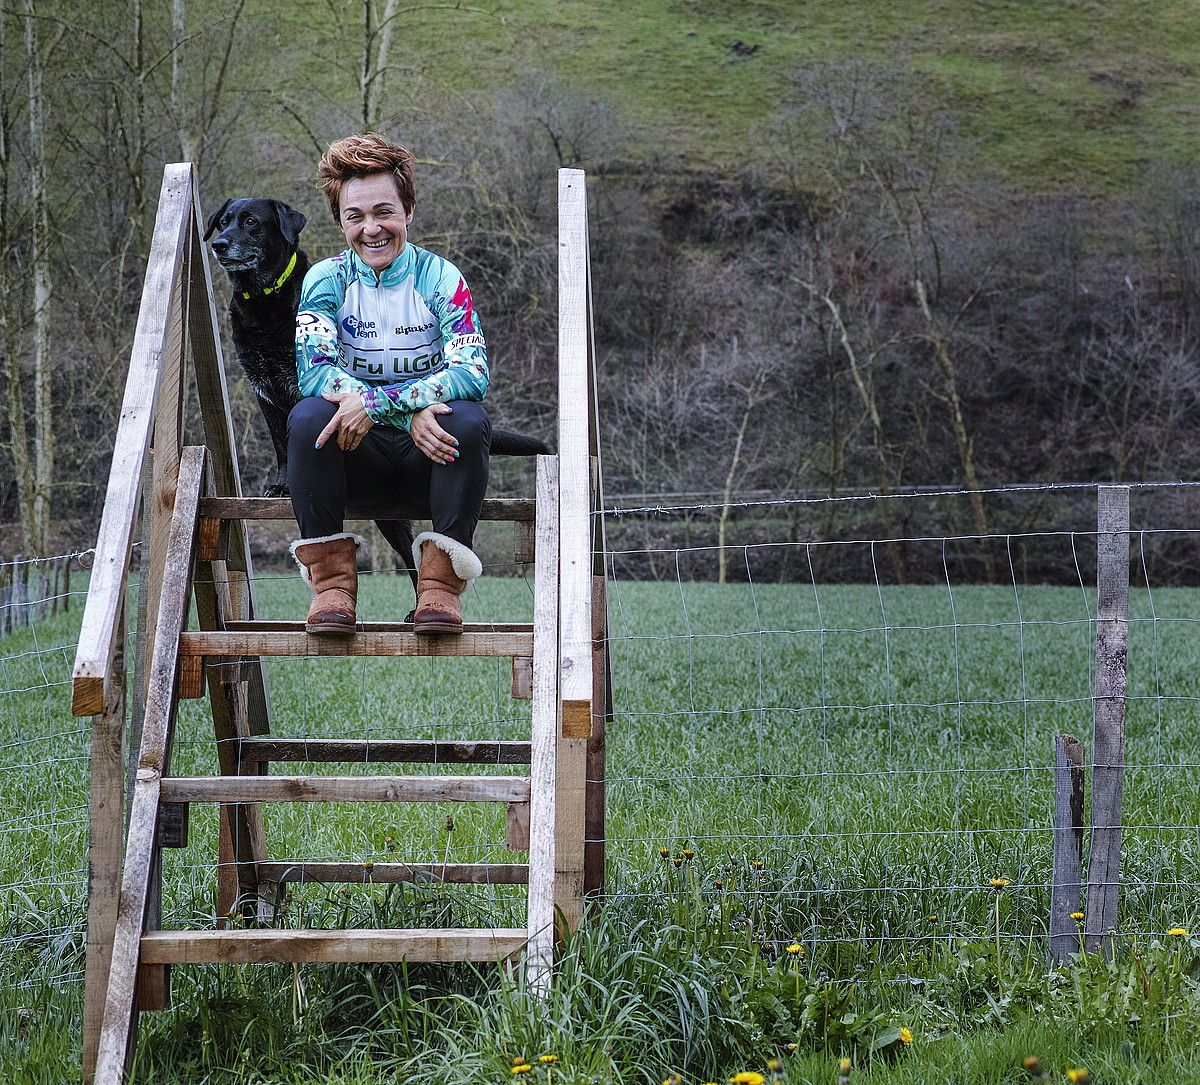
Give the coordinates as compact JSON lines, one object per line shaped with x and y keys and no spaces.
{"x":905,"y":1036}
{"x":673,"y":1079}
{"x":1176,"y":932}
{"x":678,"y":861}
{"x":796,"y":949}
{"x":389,"y":843}
{"x":1077,"y":916}
{"x":774,"y":1065}
{"x":931,"y":918}
{"x":548,"y":1058}
{"x":1000,"y":883}
{"x":1078,"y":1074}
{"x":518,"y":1059}
{"x":747,"y":1077}
{"x":688,"y":854}
{"x":522,"y":1068}
{"x":1032,"y":1064}
{"x":793,"y":1048}
{"x":664,"y":853}
{"x":844,"y":1068}
{"x":718,"y":884}
{"x":756,"y":864}
{"x":368,"y":866}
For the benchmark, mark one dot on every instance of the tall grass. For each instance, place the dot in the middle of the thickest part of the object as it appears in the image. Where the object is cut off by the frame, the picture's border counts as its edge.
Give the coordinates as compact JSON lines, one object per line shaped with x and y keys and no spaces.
{"x":840,"y":769}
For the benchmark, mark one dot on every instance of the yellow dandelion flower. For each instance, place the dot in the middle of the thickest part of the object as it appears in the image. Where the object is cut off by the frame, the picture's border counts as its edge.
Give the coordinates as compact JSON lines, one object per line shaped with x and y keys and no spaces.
{"x":796,"y":949}
{"x":1031,"y":1063}
{"x":793,"y":1047}
{"x":665,"y":853}
{"x":1178,"y":932}
{"x":547,"y":1058}
{"x":518,"y":1059}
{"x":1078,"y":1074}
{"x":1000,"y":883}
{"x":756,"y":864}
{"x":844,"y":1066}
{"x":748,"y":1077}
{"x":905,"y":1036}
{"x":932,"y":918}
{"x":688,"y":854}
{"x":718,"y":884}
{"x":368,"y":866}
{"x":1077,"y":916}
{"x":774,"y":1065}
{"x":522,"y":1068}
{"x":678,"y":861}
{"x":674,"y":1079}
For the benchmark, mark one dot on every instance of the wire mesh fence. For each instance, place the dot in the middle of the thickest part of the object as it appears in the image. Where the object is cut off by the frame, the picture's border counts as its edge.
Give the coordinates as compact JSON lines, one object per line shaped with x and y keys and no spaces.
{"x":848,"y":745}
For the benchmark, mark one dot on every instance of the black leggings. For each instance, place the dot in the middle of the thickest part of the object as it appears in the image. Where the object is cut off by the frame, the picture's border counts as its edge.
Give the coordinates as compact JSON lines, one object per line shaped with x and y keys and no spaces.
{"x":385,"y":466}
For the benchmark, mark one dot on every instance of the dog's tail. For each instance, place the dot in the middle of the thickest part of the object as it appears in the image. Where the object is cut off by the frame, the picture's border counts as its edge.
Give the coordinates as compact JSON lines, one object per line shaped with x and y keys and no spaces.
{"x":508,"y":442}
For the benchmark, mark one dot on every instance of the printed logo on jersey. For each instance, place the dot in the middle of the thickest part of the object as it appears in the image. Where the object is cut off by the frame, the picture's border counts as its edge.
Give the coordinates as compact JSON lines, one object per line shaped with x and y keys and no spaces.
{"x":461,"y":341}
{"x":399,"y":367}
{"x":413,"y":329}
{"x":359,"y":329}
{"x":465,"y":324}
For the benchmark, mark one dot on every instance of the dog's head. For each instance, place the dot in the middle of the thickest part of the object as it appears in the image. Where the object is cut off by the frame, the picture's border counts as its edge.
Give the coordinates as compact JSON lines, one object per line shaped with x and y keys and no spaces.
{"x":255,"y":235}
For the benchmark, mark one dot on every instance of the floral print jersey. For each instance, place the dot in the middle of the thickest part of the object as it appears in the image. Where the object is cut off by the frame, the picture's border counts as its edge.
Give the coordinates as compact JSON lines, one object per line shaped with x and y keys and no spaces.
{"x":403,"y":339}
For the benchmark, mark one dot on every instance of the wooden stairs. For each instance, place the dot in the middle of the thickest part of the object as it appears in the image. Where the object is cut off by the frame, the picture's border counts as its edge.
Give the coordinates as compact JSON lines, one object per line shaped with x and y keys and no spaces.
{"x":194,"y":547}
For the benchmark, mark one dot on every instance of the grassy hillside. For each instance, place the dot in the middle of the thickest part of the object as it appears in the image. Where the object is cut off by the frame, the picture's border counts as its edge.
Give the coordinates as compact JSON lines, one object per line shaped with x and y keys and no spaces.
{"x":1070,"y":94}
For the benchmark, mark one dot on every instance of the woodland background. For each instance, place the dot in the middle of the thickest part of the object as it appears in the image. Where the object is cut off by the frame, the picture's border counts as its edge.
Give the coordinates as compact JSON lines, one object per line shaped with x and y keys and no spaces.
{"x":835,"y":247}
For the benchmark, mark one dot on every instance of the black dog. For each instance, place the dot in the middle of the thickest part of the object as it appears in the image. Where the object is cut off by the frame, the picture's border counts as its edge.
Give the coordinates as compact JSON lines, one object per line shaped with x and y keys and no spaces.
{"x":258,"y":247}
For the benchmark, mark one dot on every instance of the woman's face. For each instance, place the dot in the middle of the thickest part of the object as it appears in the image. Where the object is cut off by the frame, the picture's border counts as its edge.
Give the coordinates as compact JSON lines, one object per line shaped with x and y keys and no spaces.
{"x":373,"y":219}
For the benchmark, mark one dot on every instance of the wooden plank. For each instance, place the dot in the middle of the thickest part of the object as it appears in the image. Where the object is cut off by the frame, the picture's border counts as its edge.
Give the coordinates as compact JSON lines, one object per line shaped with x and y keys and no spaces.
{"x":516,"y":836}
{"x":384,"y":751}
{"x":209,"y":546}
{"x":106,"y":588}
{"x":252,"y":706}
{"x":295,"y":625}
{"x":574,"y":467}
{"x":191,"y":681}
{"x":153,"y":987}
{"x":106,"y":820}
{"x":544,"y":735}
{"x":389,"y":873}
{"x":524,"y":542}
{"x":310,"y":946}
{"x":235,"y":643}
{"x":345,"y":789}
{"x":280,"y":508}
{"x":161,"y":706}
{"x":1068,"y":847}
{"x":522,"y":678}
{"x":595,"y":797}
{"x":1108,"y":741}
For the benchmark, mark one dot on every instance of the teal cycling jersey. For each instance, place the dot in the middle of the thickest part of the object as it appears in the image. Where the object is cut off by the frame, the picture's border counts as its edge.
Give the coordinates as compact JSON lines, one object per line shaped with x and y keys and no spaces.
{"x":403,"y":339}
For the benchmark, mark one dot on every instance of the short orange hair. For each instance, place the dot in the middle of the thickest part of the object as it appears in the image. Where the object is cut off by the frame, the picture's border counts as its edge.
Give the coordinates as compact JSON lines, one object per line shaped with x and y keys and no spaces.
{"x":361,"y":156}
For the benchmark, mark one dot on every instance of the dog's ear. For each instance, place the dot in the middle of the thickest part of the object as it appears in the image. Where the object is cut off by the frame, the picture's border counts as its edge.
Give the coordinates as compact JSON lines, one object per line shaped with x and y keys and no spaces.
{"x":291,"y":222}
{"x":214,"y":219}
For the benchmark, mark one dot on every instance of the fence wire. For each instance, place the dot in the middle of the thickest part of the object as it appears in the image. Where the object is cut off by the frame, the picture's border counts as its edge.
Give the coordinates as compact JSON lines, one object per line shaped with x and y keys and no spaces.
{"x":845,"y":744}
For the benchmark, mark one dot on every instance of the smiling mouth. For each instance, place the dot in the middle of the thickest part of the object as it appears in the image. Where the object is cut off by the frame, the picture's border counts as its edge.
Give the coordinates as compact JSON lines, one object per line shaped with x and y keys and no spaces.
{"x":385,"y":243}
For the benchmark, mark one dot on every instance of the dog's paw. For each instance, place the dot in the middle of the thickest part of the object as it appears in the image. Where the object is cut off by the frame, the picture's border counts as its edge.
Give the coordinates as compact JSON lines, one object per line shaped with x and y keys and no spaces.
{"x":276,"y":489}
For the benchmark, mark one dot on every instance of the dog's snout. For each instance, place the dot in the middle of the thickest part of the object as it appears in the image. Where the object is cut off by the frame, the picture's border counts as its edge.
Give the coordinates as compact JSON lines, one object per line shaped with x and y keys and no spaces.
{"x":220,"y":244}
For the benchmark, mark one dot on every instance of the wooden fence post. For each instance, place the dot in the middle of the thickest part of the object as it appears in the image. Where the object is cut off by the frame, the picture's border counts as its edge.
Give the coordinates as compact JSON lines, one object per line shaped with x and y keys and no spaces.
{"x":1108,"y":739}
{"x":1065,"y":890}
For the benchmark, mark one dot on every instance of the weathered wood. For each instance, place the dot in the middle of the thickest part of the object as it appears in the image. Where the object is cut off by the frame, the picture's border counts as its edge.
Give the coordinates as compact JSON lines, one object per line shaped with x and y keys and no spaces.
{"x":1065,"y":889}
{"x":295,"y":625}
{"x":544,"y":735}
{"x":173,"y":822}
{"x":388,"y":873}
{"x":191,"y":678}
{"x":280,"y":508}
{"x":384,"y":751}
{"x":311,"y":946}
{"x":516,"y":836}
{"x":235,"y":643}
{"x":524,"y":542}
{"x":106,"y":819}
{"x":345,"y":789}
{"x":106,"y":589}
{"x":1108,"y":743}
{"x":574,"y":463}
{"x":595,"y":797}
{"x":153,"y":988}
{"x":209,"y":545}
{"x":522,"y":678}
{"x":161,"y":706}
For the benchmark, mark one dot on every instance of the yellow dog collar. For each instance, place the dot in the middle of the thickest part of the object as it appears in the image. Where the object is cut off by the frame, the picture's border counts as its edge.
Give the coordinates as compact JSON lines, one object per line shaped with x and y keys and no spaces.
{"x":287,"y":271}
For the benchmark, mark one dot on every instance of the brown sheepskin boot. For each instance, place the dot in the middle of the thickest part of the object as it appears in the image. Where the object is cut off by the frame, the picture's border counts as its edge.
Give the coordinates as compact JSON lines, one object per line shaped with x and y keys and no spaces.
{"x":330,"y":566}
{"x":445,"y":569}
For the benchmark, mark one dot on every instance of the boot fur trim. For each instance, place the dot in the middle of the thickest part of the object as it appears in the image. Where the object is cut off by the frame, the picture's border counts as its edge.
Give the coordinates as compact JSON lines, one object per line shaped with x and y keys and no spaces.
{"x":358,"y":541}
{"x":465,"y":563}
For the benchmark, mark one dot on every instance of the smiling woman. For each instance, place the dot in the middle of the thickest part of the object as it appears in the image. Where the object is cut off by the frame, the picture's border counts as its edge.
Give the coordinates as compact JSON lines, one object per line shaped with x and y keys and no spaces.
{"x":392,"y":364}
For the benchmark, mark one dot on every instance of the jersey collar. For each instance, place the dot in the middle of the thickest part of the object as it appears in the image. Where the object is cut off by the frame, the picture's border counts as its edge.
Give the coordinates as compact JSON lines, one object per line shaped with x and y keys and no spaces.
{"x":398,"y":270}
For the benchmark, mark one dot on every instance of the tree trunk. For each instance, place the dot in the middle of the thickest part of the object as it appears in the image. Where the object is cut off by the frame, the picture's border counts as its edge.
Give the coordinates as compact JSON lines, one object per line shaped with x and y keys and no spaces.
{"x":38,"y":541}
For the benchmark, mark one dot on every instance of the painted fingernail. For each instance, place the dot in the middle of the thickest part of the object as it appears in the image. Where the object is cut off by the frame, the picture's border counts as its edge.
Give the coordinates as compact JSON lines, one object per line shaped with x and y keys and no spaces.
{"x":317,"y":445}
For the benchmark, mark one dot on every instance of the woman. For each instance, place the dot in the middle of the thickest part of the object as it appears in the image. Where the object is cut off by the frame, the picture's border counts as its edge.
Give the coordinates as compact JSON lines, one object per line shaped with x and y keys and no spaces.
{"x":392,"y":364}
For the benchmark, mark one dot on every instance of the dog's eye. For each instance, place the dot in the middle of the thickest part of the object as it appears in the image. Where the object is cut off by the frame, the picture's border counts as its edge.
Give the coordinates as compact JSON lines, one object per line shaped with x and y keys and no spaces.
{"x":249,"y":220}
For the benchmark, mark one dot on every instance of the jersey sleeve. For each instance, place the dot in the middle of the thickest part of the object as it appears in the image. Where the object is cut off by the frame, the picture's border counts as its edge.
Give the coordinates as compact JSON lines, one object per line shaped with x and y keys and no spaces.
{"x":465,"y":375}
{"x":317,"y":370}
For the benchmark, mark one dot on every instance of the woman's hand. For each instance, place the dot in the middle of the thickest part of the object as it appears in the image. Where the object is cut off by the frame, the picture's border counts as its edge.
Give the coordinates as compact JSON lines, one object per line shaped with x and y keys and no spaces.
{"x":430,"y":438}
{"x":350,"y":423}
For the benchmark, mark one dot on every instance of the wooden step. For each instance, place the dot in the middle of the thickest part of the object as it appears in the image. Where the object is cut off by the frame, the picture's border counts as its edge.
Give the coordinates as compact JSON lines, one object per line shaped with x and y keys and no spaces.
{"x":302,"y":870}
{"x":280,"y":508}
{"x":383,"y":751}
{"x":362,"y":946}
{"x":365,"y":643}
{"x":345,"y":789}
{"x":297,"y":626}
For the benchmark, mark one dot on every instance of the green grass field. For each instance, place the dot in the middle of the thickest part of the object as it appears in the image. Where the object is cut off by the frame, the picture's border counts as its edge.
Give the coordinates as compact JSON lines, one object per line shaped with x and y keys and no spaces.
{"x":851,"y":766}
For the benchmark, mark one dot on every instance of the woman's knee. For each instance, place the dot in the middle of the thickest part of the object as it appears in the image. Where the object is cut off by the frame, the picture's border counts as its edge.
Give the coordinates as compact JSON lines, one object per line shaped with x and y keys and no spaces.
{"x":309,"y":417}
{"x":468,"y":421}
